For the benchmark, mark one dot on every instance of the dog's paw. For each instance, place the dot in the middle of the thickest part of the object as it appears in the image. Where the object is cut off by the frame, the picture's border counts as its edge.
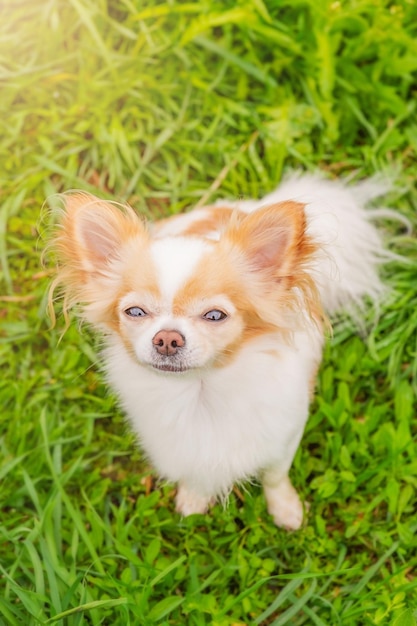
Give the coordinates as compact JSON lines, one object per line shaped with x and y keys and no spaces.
{"x":285,"y":505}
{"x":288,"y":515}
{"x":188,"y":502}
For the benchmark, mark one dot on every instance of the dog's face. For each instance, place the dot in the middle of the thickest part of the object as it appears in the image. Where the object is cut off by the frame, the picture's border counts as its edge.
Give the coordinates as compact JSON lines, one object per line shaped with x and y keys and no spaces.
{"x":183,"y":302}
{"x":177,"y":314}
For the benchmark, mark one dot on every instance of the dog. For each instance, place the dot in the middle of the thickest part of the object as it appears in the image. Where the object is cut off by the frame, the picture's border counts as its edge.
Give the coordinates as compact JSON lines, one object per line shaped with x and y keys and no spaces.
{"x":214,"y":322}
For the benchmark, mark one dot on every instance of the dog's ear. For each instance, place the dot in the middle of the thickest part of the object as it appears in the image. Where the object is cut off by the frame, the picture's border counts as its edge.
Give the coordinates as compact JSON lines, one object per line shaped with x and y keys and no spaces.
{"x":273,"y":240}
{"x":92,"y":231}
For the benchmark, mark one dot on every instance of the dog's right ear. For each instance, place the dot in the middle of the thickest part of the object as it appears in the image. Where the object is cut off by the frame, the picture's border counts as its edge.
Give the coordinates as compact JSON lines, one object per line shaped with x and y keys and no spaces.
{"x":92,"y":231}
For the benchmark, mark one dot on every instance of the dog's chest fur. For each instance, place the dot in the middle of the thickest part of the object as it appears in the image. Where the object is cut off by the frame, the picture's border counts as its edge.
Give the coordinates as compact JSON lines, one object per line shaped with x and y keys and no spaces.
{"x":221,"y":425}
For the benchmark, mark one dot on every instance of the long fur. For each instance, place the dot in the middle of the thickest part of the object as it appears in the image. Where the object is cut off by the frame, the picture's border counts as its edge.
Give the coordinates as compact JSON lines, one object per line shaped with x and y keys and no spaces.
{"x":244,"y":288}
{"x":341,"y":222}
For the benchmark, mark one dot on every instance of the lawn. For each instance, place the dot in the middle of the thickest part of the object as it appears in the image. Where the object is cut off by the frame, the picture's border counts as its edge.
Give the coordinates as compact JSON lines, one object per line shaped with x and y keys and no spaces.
{"x":167,"y":104}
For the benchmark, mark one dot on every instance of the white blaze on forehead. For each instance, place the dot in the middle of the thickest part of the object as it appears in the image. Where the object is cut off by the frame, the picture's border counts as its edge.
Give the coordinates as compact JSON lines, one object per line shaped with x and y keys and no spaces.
{"x":175,"y":260}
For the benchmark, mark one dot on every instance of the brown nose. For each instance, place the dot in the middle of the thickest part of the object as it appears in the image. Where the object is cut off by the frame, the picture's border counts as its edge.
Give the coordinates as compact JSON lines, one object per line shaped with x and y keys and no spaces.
{"x":167,"y":342}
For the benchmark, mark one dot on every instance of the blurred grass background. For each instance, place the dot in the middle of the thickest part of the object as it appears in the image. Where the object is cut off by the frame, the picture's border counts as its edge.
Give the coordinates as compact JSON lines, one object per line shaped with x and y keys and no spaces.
{"x":164,"y":105}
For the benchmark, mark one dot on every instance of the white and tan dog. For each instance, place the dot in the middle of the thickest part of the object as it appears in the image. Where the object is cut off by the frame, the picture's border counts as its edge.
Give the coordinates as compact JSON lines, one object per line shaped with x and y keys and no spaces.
{"x":213,"y":323}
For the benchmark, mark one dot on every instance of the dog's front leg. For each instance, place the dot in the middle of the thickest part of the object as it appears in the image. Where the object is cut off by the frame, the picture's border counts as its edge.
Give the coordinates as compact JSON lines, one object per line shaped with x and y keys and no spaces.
{"x":282,"y":499}
{"x":189,"y":502}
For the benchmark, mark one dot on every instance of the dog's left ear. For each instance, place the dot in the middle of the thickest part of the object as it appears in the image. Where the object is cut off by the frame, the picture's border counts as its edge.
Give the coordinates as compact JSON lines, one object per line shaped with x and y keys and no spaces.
{"x":273,"y":239}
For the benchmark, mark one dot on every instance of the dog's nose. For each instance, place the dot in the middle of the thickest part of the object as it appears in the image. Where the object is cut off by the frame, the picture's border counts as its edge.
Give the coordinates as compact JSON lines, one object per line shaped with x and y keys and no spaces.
{"x":167,"y":342}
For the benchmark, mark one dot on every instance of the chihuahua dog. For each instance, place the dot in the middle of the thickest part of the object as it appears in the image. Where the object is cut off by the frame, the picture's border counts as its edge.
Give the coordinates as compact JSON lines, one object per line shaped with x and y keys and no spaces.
{"x":213,"y":323}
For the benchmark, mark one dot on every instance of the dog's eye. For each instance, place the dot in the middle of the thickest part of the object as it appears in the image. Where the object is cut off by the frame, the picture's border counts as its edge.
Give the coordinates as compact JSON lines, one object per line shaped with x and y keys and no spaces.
{"x":135,"y":311}
{"x":214,"y":316}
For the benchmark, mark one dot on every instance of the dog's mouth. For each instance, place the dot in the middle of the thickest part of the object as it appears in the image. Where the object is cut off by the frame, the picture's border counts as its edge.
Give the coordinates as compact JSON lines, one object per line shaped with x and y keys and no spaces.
{"x":175,"y":364}
{"x":170,"y":367}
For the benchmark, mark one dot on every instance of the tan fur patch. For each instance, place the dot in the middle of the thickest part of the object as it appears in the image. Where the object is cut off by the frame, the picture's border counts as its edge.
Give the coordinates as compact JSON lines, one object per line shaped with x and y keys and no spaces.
{"x":214,"y":221}
{"x":204,"y":222}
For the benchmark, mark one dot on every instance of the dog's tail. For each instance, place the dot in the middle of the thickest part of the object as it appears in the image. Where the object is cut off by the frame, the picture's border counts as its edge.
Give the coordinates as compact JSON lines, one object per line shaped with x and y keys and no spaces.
{"x":351,"y":248}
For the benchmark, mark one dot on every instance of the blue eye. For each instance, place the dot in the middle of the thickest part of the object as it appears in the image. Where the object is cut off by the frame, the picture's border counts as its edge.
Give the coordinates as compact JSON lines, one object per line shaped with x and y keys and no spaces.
{"x":135,"y":311}
{"x":215,"y":315}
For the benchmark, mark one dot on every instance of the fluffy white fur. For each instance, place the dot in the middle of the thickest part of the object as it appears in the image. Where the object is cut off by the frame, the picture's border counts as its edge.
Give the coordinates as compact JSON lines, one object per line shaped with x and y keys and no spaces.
{"x":210,"y":426}
{"x":346,"y":269}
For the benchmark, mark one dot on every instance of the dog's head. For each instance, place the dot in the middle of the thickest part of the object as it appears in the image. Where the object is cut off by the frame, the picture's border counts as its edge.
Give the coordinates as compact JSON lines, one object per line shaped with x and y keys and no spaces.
{"x":186,"y":301}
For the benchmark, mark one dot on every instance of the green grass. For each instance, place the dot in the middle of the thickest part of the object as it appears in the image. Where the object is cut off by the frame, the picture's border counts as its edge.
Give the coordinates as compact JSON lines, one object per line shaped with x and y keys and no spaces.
{"x":167,"y":104}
